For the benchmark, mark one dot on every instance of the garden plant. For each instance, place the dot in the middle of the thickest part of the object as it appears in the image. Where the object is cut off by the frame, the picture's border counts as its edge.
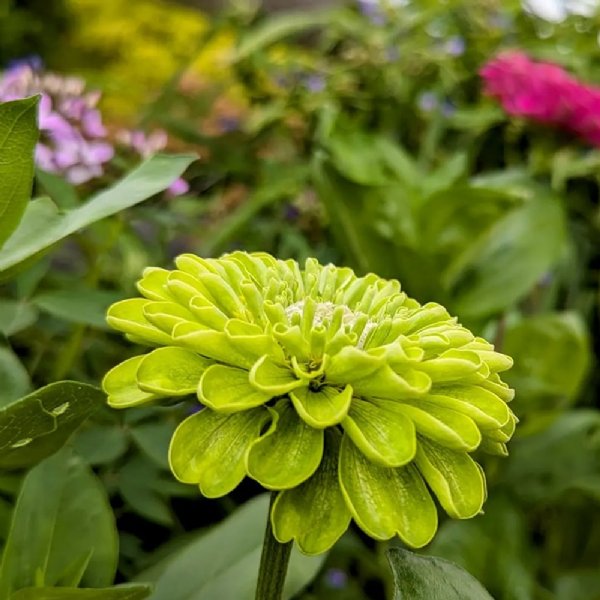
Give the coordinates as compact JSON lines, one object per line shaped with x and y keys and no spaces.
{"x":309,"y":311}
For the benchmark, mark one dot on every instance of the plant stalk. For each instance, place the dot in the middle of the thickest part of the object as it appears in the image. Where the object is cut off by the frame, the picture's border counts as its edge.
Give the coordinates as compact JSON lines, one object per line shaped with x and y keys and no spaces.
{"x":273,"y":563}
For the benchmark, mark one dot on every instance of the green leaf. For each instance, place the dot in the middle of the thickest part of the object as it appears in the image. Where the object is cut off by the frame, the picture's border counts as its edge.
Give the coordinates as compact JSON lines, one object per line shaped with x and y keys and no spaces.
{"x":14,"y":379}
{"x":18,"y":136}
{"x":209,"y":449}
{"x":63,"y":194}
{"x":279,"y":27}
{"x":39,"y":424}
{"x":288,"y":453}
{"x":582,"y":584}
{"x":564,"y":456}
{"x":16,"y":316}
{"x":504,"y":264}
{"x":100,"y":444}
{"x":314,"y":513}
{"x":495,"y":548}
{"x":153,"y":439}
{"x":552,"y":358}
{"x":62,"y":519}
{"x":223,"y":563}
{"x":140,"y":485}
{"x":346,"y":205}
{"x":43,"y":225}
{"x":386,"y":501}
{"x":85,"y":307}
{"x":127,"y":591}
{"x":427,"y":578}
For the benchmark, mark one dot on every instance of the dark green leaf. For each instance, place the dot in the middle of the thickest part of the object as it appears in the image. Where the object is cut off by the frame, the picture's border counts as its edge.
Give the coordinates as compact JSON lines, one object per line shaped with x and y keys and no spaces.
{"x":16,"y":316}
{"x":153,"y":439}
{"x":427,"y":578}
{"x":562,"y":457}
{"x":61,"y":191}
{"x":494,"y":548}
{"x":43,"y":224}
{"x":100,"y":444}
{"x":223,"y":563}
{"x":39,"y":424}
{"x":62,"y":531}
{"x":504,"y":264}
{"x":14,"y":380}
{"x":140,"y":484}
{"x":345,"y":206}
{"x":118,"y":592}
{"x":552,"y":357}
{"x":18,"y":136}
{"x":86,"y":307}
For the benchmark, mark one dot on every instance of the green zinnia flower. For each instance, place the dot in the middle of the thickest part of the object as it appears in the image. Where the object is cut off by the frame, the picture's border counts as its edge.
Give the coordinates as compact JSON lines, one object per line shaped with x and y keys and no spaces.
{"x":340,"y":392}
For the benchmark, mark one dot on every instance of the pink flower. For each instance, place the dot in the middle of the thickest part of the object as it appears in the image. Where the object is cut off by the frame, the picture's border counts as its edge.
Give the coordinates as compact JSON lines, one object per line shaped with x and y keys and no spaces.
{"x":73,"y":140}
{"x":545,"y":93}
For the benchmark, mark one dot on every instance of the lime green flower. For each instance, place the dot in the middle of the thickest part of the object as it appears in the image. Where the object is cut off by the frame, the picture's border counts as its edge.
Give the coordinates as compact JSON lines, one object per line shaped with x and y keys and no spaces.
{"x":341,"y":393}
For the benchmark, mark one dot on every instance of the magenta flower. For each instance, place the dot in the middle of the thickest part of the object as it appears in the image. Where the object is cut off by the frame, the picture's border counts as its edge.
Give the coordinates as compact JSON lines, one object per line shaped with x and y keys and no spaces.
{"x":545,"y":93}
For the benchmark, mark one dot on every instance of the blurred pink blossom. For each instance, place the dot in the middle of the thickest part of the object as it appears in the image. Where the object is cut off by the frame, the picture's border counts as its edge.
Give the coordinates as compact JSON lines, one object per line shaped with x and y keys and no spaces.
{"x":147,"y":144}
{"x":73,"y":139}
{"x":543,"y":92}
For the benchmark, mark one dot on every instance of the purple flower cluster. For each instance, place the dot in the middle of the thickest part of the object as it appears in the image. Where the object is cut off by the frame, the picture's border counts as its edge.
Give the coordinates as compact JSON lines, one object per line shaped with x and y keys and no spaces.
{"x":73,"y":140}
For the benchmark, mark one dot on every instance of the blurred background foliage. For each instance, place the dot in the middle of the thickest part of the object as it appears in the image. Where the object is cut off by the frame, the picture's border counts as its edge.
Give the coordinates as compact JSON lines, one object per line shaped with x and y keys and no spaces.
{"x":359,"y":134}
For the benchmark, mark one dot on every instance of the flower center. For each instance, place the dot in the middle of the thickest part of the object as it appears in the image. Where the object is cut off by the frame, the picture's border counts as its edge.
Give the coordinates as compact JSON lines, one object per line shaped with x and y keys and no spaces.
{"x":324,"y":313}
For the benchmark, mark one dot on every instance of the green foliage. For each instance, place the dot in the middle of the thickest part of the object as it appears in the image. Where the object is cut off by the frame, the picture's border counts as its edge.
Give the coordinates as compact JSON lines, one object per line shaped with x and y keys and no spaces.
{"x":67,"y":539}
{"x":424,"y":578}
{"x":229,"y":555}
{"x":119,"y":592}
{"x":18,"y":136}
{"x":43,"y":224}
{"x":327,"y":135}
{"x":37,"y":425}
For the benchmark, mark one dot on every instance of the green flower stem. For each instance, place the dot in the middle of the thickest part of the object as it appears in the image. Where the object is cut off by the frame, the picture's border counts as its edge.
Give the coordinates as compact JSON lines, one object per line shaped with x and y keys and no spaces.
{"x":273,"y":563}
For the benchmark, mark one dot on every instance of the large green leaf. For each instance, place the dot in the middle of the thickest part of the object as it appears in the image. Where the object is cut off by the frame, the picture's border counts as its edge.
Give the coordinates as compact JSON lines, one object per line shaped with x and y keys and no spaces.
{"x":223,"y":563}
{"x":16,"y":316}
{"x":552,"y":357}
{"x":504,"y":264}
{"x":494,"y":548}
{"x":562,"y":457}
{"x":43,"y":224}
{"x":345,"y":203}
{"x":427,"y":578}
{"x":63,"y":530}
{"x":136,"y":591}
{"x":39,"y":424}
{"x":14,"y":379}
{"x":86,"y":307}
{"x":18,"y":136}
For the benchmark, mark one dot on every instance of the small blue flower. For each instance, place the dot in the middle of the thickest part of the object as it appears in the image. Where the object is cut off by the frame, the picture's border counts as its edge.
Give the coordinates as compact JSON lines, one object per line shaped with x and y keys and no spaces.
{"x":336,"y":579}
{"x":428,"y":101}
{"x":315,"y":83}
{"x":455,"y":46}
